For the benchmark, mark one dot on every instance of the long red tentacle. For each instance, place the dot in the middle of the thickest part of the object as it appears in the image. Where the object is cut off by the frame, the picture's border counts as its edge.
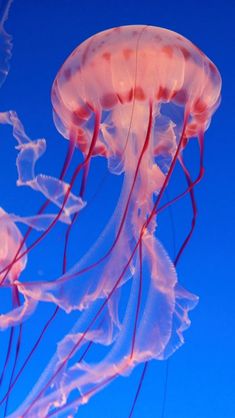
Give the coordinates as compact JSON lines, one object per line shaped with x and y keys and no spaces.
{"x":16,"y":303}
{"x":138,"y":389}
{"x":191,"y":185}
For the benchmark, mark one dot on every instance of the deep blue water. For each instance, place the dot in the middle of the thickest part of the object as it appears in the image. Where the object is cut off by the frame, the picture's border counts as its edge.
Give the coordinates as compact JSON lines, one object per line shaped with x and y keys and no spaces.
{"x":201,"y":374}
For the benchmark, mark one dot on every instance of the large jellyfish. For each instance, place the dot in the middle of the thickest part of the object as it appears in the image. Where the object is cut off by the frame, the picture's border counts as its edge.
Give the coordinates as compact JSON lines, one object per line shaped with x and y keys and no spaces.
{"x":135,"y":95}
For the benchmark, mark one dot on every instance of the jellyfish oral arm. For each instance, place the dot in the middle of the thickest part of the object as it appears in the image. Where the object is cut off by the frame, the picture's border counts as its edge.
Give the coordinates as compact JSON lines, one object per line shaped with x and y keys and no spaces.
{"x":153,"y":252}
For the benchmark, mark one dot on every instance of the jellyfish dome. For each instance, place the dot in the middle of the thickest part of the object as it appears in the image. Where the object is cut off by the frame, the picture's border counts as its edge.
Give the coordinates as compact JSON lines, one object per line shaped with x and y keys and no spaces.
{"x":134,"y":95}
{"x":120,"y":72}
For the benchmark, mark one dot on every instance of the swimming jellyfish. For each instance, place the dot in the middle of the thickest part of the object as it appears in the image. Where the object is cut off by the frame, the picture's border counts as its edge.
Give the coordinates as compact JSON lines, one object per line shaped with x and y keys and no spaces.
{"x":134,"y":95}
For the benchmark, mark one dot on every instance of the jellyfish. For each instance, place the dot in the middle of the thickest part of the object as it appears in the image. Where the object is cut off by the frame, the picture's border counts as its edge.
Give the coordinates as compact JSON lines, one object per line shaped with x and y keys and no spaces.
{"x":134,"y":95}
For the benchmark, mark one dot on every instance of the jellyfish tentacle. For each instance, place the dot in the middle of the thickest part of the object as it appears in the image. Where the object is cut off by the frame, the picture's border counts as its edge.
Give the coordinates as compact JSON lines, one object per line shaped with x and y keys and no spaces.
{"x":7,"y":358}
{"x":194,"y":209}
{"x":142,"y":377}
{"x":15,"y":304}
{"x":16,"y":301}
{"x":192,"y":196}
{"x":14,"y":381}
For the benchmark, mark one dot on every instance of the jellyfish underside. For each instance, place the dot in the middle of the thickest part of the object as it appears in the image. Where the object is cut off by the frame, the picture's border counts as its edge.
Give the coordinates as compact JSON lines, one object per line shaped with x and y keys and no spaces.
{"x":134,"y":95}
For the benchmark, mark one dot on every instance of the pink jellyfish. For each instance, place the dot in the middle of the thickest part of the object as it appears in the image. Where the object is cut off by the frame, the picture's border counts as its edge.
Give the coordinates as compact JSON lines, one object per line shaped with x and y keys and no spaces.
{"x":134,"y":95}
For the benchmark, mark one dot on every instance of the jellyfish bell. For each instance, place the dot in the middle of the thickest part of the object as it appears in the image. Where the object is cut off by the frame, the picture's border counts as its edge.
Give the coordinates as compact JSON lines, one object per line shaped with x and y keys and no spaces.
{"x":10,"y":237}
{"x":118,"y":72}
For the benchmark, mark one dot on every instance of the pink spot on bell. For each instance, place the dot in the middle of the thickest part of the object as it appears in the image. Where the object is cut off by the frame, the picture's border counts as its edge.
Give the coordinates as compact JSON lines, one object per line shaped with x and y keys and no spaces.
{"x":139,"y":93}
{"x":108,"y":100}
{"x":127,"y":53}
{"x":107,"y":56}
{"x":167,"y":49}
